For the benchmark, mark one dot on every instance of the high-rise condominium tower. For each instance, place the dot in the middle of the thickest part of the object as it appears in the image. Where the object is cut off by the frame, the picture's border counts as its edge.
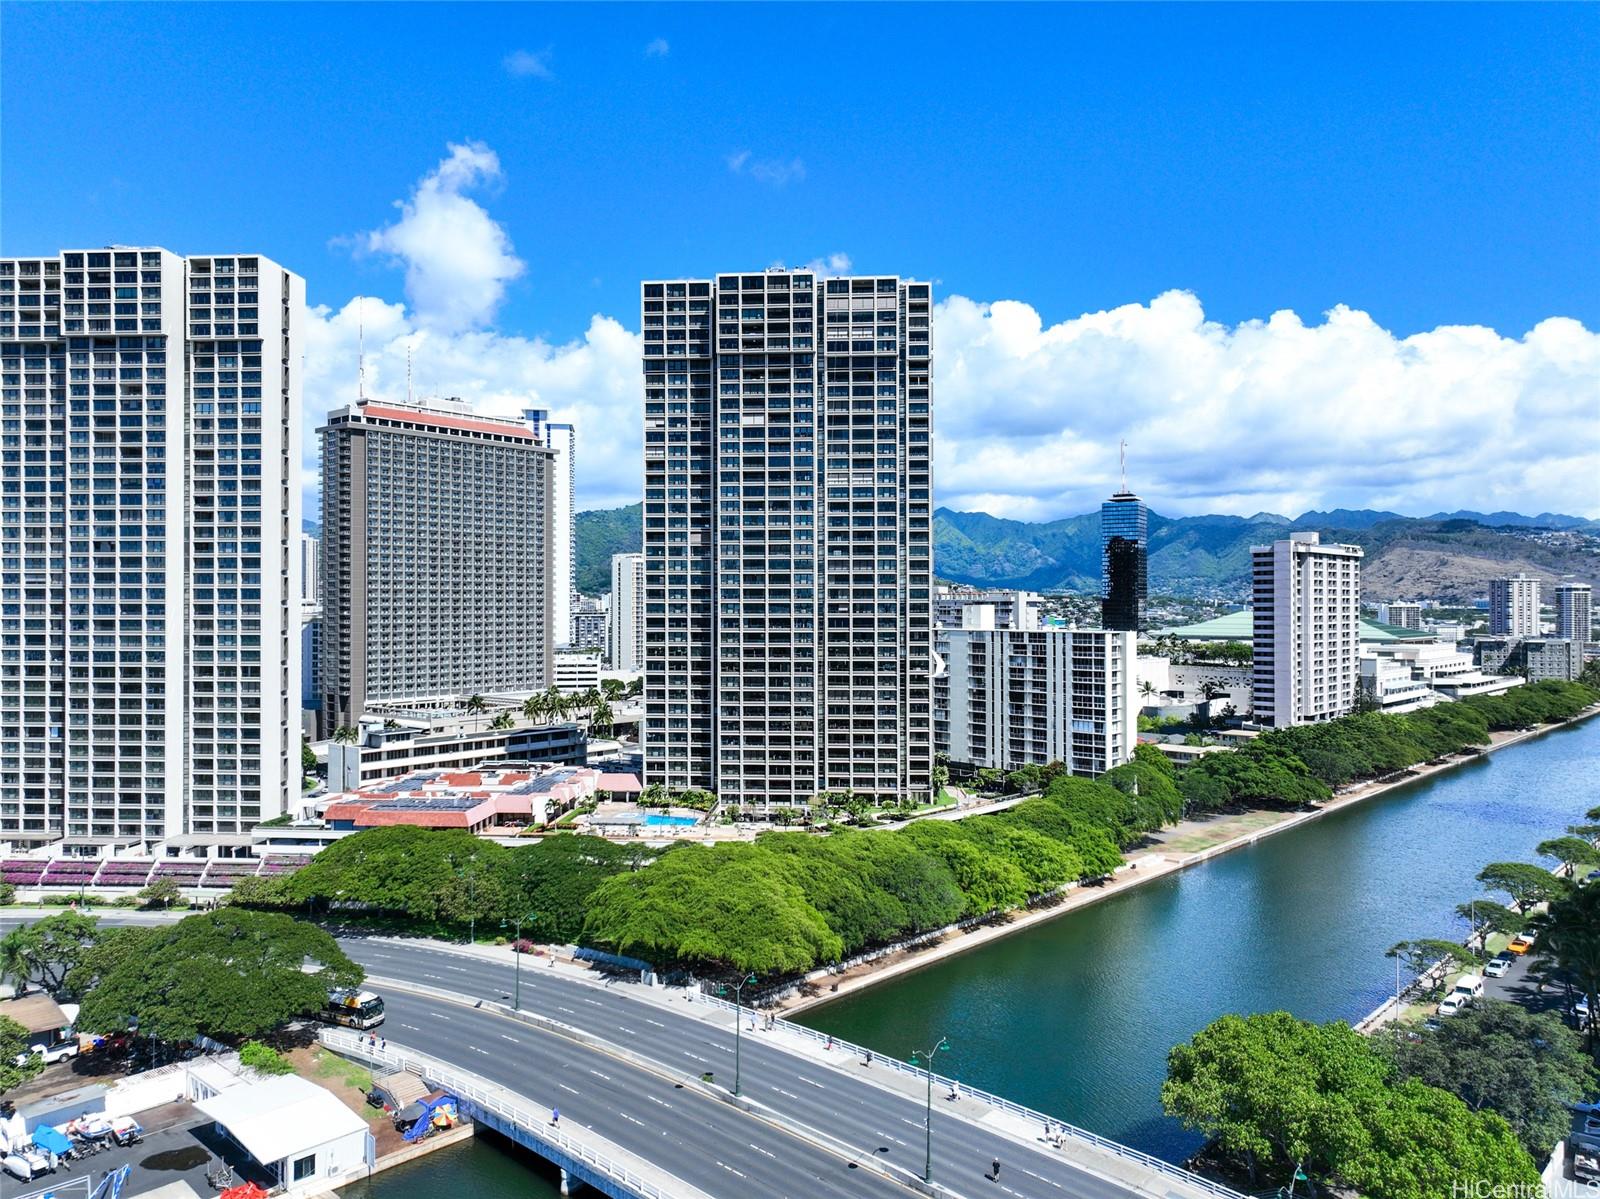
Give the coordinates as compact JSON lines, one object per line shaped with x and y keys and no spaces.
{"x":1575,"y":613}
{"x":1124,"y":543}
{"x":563,"y":439}
{"x":626,"y":647}
{"x":436,"y":528}
{"x":1307,"y":629}
{"x":1514,"y":606}
{"x":149,"y":576}
{"x":787,"y":535}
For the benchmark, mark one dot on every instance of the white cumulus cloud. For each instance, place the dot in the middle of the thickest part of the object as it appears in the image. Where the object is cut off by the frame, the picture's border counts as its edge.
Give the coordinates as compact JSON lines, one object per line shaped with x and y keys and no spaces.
{"x":532,"y":64}
{"x":457,"y":258}
{"x":775,"y":172}
{"x":658,"y":48}
{"x":1267,"y":415}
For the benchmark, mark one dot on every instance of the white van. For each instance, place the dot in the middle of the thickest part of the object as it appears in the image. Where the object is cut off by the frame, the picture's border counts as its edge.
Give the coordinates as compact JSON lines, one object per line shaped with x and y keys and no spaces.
{"x":1469,"y":987}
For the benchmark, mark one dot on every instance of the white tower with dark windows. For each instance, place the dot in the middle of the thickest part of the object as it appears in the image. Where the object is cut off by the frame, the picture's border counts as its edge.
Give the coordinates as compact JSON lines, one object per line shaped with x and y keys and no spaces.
{"x":788,"y":536}
{"x":149,"y":556}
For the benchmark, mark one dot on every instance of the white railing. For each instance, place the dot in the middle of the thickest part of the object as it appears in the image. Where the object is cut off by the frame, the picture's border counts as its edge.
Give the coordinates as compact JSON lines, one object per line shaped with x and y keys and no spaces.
{"x":508,"y":1106}
{"x":1160,"y":1166}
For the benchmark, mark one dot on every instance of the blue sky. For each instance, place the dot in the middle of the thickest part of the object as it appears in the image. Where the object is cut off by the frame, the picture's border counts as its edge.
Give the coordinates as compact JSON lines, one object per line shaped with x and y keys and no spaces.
{"x":1425,"y":166}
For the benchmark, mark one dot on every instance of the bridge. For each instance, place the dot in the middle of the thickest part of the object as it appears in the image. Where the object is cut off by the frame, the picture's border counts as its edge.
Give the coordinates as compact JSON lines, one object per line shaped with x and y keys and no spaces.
{"x":652,"y":1070}
{"x":644,"y":1078}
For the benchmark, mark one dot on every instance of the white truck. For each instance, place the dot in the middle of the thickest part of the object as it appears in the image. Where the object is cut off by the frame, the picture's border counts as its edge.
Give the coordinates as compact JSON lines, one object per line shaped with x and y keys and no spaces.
{"x":1468,"y":987}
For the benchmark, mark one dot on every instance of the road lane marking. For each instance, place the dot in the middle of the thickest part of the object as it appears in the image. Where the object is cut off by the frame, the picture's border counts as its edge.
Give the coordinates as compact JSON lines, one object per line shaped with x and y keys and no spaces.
{"x":508,"y":1037}
{"x":412,"y":1027}
{"x":762,"y":1151}
{"x":697,"y":1057}
{"x":597,"y":1074}
{"x":662,"y":1102}
{"x":593,"y":1002}
{"x":811,"y":1081}
{"x":789,"y":1094}
{"x":657,"y":1023}
{"x":631,"y":1120}
{"x":567,"y":1089}
{"x":567,"y":1010}
{"x":475,"y":1049}
{"x":731,"y":1170}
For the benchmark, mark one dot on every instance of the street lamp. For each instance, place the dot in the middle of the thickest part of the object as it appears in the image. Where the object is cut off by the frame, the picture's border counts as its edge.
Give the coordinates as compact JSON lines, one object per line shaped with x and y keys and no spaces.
{"x":927,"y":1064}
{"x":738,"y":1000}
{"x":516,"y":953}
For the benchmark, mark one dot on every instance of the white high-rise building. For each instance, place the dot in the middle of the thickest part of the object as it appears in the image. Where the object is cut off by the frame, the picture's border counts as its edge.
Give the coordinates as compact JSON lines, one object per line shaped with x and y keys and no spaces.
{"x":149,"y":574}
{"x":563,"y":439}
{"x":788,"y":536}
{"x":1402,"y":614}
{"x":1037,"y":696}
{"x":310,"y":569}
{"x":1575,"y":612}
{"x":626,"y":649}
{"x":1307,"y":630}
{"x":1514,"y":606}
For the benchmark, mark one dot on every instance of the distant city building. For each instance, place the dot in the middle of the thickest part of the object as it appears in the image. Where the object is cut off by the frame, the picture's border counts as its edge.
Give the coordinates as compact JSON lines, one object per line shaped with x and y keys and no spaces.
{"x":1398,"y":674}
{"x":1038,"y":696}
{"x":590,"y":621}
{"x":310,"y":655}
{"x":1575,"y":612}
{"x":1124,"y":561}
{"x":1401,"y":614}
{"x":436,"y":532}
{"x":1514,"y":607}
{"x":310,"y":569}
{"x":151,"y":407}
{"x":788,"y":536}
{"x":563,"y":439}
{"x":626,"y":648}
{"x":1307,"y":630}
{"x":1533,"y":658}
{"x":1009,"y":609}
{"x":385,"y":749}
{"x":576,"y":672}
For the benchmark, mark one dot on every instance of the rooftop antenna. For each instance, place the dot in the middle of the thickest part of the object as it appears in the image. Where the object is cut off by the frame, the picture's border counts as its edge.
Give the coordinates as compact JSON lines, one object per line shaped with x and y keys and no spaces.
{"x":1123,"y":455}
{"x":361,"y":349}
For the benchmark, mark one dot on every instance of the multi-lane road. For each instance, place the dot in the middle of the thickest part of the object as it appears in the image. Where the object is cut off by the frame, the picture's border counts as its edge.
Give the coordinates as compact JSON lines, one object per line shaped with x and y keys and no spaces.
{"x":817,"y":1127}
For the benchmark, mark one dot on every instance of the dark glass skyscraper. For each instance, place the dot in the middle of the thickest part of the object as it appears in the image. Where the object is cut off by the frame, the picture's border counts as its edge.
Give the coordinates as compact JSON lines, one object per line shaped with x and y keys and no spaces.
{"x":1124,"y":541}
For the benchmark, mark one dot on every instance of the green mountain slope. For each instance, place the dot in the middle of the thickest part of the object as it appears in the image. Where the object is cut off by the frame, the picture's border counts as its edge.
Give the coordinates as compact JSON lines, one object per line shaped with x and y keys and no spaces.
{"x":1451,"y":558}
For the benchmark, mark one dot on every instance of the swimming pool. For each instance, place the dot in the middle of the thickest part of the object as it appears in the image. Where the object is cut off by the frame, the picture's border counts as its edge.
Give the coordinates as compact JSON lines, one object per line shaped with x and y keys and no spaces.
{"x":656,"y":818}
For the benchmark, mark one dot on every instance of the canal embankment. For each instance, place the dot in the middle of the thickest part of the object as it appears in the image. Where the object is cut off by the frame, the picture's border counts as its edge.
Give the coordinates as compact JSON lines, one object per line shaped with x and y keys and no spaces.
{"x":1201,"y":841}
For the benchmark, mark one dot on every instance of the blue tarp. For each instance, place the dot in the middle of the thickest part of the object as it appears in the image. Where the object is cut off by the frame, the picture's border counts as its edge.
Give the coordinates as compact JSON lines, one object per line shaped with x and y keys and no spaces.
{"x":48,"y":1138}
{"x":601,"y":958}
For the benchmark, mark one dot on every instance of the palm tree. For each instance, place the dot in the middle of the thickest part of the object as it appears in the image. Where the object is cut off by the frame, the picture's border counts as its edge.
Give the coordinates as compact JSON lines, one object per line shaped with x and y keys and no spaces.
{"x":502,"y":721}
{"x":602,"y":716}
{"x":554,"y":703}
{"x":345,"y":735}
{"x":614,"y":689}
{"x":16,"y":961}
{"x":476,"y":705}
{"x":1147,"y":689}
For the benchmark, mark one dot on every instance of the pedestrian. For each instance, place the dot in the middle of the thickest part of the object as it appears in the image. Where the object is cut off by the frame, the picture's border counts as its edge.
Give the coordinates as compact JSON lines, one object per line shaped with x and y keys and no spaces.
{"x":868,"y":1060}
{"x":830,"y":1043}
{"x":386,"y":1044}
{"x":996,"y":1175}
{"x":555,"y":1118}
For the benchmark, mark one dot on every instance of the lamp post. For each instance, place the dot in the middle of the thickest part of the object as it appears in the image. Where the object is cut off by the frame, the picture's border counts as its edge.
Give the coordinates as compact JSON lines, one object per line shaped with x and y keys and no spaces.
{"x":738,"y":1010}
{"x":927,"y":1064}
{"x":516,"y":953}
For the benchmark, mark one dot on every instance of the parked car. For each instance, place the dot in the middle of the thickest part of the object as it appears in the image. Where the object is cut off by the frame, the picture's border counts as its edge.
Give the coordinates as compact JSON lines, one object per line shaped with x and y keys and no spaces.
{"x":1498,"y":968}
{"x":1432,"y":1024}
{"x":1581,"y":1009}
{"x":1520,"y":944}
{"x":58,"y":1052}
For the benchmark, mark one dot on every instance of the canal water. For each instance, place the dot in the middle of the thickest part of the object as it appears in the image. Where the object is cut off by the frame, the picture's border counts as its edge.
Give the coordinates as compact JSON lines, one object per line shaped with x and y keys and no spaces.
{"x":1074,"y":1017}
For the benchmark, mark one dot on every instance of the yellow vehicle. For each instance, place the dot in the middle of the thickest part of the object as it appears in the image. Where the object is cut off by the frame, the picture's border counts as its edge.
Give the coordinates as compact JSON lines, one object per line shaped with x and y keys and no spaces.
{"x":1520,"y":944}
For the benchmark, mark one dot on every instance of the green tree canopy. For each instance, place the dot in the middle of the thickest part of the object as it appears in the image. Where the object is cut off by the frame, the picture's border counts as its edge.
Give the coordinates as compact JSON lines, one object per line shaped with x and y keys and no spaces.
{"x":228,"y":974}
{"x":1569,"y":936}
{"x":1526,"y":884}
{"x":1499,"y":1057}
{"x":1569,"y":851}
{"x":14,"y":1043}
{"x":1496,"y":917}
{"x":47,"y":950}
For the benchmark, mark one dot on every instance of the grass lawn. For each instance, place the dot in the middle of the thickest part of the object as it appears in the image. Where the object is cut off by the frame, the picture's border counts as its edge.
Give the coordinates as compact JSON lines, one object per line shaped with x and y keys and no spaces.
{"x":1203,"y":835}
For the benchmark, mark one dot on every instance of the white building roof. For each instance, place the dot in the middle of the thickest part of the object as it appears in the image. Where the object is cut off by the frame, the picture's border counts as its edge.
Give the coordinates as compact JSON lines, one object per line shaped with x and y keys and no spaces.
{"x":281,"y":1117}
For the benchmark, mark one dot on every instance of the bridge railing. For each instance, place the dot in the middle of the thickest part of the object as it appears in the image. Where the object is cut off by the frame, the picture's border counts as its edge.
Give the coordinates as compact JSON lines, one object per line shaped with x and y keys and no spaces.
{"x":507,"y":1105}
{"x":1083,"y":1135}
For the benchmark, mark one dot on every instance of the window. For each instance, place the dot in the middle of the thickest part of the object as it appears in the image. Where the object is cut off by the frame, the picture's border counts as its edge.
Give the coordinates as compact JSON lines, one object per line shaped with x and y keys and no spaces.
{"x":305,"y":1167}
